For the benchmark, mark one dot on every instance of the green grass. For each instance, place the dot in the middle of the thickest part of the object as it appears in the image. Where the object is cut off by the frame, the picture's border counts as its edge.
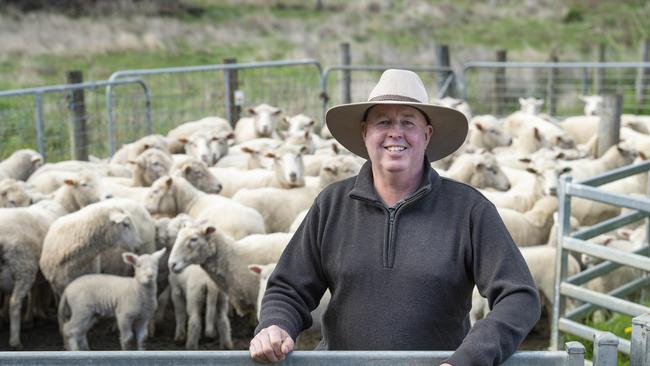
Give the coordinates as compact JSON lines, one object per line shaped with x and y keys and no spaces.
{"x":618,"y":324}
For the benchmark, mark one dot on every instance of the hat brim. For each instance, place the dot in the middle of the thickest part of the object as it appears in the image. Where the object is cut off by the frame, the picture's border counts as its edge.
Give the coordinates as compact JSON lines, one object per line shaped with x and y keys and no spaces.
{"x":449,"y":127}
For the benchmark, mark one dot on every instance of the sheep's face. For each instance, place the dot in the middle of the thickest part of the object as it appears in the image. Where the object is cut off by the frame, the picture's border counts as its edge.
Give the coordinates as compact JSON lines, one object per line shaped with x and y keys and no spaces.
{"x":198,"y":146}
{"x":338,"y":168}
{"x":199,"y":176}
{"x":151,"y":165}
{"x":146,"y":266}
{"x":161,"y":198}
{"x":299,"y":124}
{"x":149,"y":142}
{"x":531,"y":105}
{"x":13,"y":194}
{"x":593,"y":104}
{"x":218,"y":146}
{"x":489,"y":174}
{"x":490,"y":137}
{"x":191,"y":246}
{"x":289,"y":167}
{"x":265,"y":118}
{"x":86,"y":189}
{"x":124,"y":229}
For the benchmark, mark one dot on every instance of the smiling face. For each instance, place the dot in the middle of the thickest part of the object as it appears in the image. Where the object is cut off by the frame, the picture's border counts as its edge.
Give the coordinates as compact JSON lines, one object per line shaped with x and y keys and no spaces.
{"x":396,"y":137}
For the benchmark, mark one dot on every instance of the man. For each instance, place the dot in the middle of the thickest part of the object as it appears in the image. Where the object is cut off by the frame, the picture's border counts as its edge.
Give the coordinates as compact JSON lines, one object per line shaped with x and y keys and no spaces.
{"x":399,"y":247}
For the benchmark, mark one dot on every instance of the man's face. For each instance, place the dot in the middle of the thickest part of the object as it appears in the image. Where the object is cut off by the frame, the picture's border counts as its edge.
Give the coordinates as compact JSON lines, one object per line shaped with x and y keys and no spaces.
{"x":396,"y":137}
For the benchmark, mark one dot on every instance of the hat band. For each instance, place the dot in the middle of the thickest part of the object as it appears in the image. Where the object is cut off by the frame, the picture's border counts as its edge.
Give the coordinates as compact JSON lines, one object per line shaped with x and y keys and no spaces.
{"x":393,"y":97}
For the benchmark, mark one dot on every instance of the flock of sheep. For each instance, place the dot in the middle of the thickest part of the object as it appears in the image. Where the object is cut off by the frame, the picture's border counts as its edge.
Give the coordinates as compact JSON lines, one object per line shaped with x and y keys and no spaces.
{"x":200,"y":216}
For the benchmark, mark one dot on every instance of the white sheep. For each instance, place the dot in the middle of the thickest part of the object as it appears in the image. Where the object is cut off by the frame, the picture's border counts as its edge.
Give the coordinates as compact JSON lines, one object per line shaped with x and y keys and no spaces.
{"x":457,"y":104}
{"x":208,"y":146}
{"x":262,"y":123}
{"x":552,"y":132}
{"x":176,"y":136}
{"x":479,"y":170}
{"x":14,"y":193}
{"x":173,"y":195}
{"x":483,"y":136}
{"x":133,"y":150}
{"x":299,"y":123}
{"x":527,"y":187}
{"x":279,"y":207}
{"x":531,"y":105}
{"x":226,"y":260}
{"x":74,"y":242}
{"x":131,"y":300}
{"x":21,"y":164}
{"x":593,"y":104}
{"x":197,"y":173}
{"x":193,"y":290}
{"x":532,"y":227}
{"x":149,"y":166}
{"x":581,"y":128}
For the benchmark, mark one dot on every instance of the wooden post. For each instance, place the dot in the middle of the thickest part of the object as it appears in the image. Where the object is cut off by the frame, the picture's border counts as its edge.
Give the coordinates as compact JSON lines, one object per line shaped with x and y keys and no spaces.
{"x":346,"y":60}
{"x":642,"y":74}
{"x":500,"y":85}
{"x":551,"y":98}
{"x":443,"y":61}
{"x":231,"y":84}
{"x":599,"y":72}
{"x":610,"y":123}
{"x":78,"y":132}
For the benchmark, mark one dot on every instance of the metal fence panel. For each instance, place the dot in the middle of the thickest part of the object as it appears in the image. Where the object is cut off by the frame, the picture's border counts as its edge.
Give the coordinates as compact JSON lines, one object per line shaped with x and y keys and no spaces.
{"x":495,"y":87}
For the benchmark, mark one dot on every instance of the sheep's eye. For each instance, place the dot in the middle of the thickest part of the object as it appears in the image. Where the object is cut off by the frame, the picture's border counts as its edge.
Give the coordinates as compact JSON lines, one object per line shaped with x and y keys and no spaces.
{"x":84,"y":184}
{"x":125,"y":223}
{"x":13,"y":203}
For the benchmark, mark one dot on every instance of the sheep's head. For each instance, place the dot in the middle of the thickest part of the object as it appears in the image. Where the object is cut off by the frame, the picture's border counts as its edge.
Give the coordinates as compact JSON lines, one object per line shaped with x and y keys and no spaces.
{"x":197,"y":173}
{"x":191,"y":246}
{"x":161,"y":197}
{"x":151,"y":165}
{"x":219,"y":144}
{"x":531,"y":105}
{"x":337,"y":168}
{"x":145,"y":266}
{"x":13,"y":193}
{"x":86,"y":189}
{"x":299,"y":123}
{"x":265,"y":117}
{"x":288,"y":165}
{"x":124,"y":230}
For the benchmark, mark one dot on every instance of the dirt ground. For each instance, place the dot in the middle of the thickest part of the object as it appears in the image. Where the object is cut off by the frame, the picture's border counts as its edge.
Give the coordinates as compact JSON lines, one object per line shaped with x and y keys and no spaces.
{"x":44,"y":336}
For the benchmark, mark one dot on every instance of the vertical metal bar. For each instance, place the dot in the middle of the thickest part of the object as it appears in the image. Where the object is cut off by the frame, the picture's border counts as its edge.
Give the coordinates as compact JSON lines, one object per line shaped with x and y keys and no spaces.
{"x":599,"y":71}
{"x":610,"y":123}
{"x":642,"y":75}
{"x":443,"y":61}
{"x":147,"y":96}
{"x":323,"y":94}
{"x":500,"y":84}
{"x":346,"y":85}
{"x":550,"y":88}
{"x":109,"y":106}
{"x":78,"y":133}
{"x":605,"y":349}
{"x":40,"y":125}
{"x":640,"y":345}
{"x":561,"y":258}
{"x":576,"y":353}
{"x":585,"y":81}
{"x":231,"y":114}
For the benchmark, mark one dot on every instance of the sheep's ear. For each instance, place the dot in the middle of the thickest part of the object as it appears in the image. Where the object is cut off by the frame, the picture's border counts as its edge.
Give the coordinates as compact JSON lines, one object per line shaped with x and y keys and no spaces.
{"x":277,"y":111}
{"x":526,"y":160}
{"x":158,"y":254}
{"x":311,"y":123}
{"x":252,"y":111}
{"x":566,"y":169}
{"x":129,"y":258}
{"x":247,"y":150}
{"x":255,"y":268}
{"x":608,"y":241}
{"x":285,"y":119}
{"x":133,"y":162}
{"x":187,"y":169}
{"x":183,"y":140}
{"x":307,"y":134}
{"x":70,"y":182}
{"x":302,"y":150}
{"x":532,"y":170}
{"x":117,"y":217}
{"x":147,"y":146}
{"x":642,"y":155}
{"x":270,"y":154}
{"x":560,"y":155}
{"x":481,"y":166}
{"x":478,"y":126}
{"x":169,"y":182}
{"x":36,"y":159}
{"x":536,"y":133}
{"x":208,"y":230}
{"x":335,"y":148}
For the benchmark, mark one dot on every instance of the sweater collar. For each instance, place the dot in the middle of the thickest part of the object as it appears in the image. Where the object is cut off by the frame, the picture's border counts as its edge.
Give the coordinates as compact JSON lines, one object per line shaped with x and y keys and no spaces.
{"x":364,"y":188}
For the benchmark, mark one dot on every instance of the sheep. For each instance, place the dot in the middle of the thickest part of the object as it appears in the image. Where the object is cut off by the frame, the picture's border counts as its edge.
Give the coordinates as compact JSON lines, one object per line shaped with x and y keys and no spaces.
{"x":21,"y":164}
{"x":131,"y":151}
{"x":183,"y":131}
{"x":208,"y":146}
{"x":479,"y":170}
{"x":103,"y":169}
{"x":299,"y":123}
{"x":192,"y":289}
{"x":581,"y":128}
{"x":173,"y":195}
{"x":458,"y":104}
{"x":74,"y":241}
{"x":14,"y":193}
{"x":531,"y":105}
{"x":264,"y":271}
{"x":487,"y":137}
{"x":131,"y":300}
{"x":527,"y":187}
{"x":288,"y":172}
{"x":553,"y":133}
{"x":149,"y":166}
{"x":261,"y":124}
{"x":226,"y":260}
{"x":197,"y":173}
{"x":532,"y":227}
{"x":593,"y":104}
{"x":250,"y":159}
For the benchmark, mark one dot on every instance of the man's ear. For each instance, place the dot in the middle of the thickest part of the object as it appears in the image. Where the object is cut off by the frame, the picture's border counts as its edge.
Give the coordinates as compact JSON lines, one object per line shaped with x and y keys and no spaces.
{"x":429,"y":132}
{"x":364,"y":128}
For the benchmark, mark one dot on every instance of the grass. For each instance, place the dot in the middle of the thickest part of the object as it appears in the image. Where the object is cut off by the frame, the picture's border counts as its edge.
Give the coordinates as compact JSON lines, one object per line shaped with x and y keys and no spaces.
{"x":618,"y":324}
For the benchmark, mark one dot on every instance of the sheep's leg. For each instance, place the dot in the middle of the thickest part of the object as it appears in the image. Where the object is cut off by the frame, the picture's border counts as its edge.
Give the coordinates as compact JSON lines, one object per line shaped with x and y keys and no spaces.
{"x":141,"y":333}
{"x":83,"y":342}
{"x":194,"y":325}
{"x":75,"y":330}
{"x":21,"y":288}
{"x":159,"y":315}
{"x":211,"y":312}
{"x":223,"y":322}
{"x":126,"y":333}
{"x":179,"y":313}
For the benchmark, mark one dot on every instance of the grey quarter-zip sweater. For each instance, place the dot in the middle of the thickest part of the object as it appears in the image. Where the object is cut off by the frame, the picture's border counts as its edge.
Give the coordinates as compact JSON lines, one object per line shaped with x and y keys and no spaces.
{"x":401,"y":277}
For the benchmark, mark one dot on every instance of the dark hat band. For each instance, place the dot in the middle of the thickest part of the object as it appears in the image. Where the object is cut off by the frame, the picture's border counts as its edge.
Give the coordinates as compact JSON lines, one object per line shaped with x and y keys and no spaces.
{"x":394,"y":98}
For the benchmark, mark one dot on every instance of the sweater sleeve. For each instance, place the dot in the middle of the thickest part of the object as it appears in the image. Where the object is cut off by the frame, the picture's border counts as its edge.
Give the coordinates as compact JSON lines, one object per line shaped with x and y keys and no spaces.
{"x":297,"y":284}
{"x":501,"y":275}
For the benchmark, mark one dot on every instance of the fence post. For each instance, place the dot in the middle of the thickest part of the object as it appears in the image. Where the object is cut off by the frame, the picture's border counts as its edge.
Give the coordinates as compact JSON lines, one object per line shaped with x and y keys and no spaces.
{"x":500,"y":84}
{"x":598,"y":72}
{"x":576,"y":353}
{"x":443,"y":61}
{"x":605,"y":349}
{"x":550,"y":89}
{"x":640,"y":345}
{"x":642,"y":74}
{"x":78,"y":132}
{"x":610,"y":123}
{"x":231,"y":85}
{"x":346,"y":60}
{"x":561,"y":258}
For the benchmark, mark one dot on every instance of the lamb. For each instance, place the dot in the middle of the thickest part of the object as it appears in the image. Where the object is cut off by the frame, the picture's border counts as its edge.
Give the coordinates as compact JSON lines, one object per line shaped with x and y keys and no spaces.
{"x":480,"y":170}
{"x":197,"y":173}
{"x":182,"y":132}
{"x":581,"y":128}
{"x":527,"y":187}
{"x":208,"y":146}
{"x":279,"y":207}
{"x":251,"y":159}
{"x":131,"y":300}
{"x":261,"y":124}
{"x":532,"y":227}
{"x":615,"y":157}
{"x":191,"y":289}
{"x":593,"y":104}
{"x":103,"y":169}
{"x":531,"y":105}
{"x":487,"y":137}
{"x":14,"y":193}
{"x":149,"y":166}
{"x":73,"y":243}
{"x":299,"y":123}
{"x":553,"y":133}
{"x":226,"y":260}
{"x":133,"y":150}
{"x":21,"y":164}
{"x":173,"y":195}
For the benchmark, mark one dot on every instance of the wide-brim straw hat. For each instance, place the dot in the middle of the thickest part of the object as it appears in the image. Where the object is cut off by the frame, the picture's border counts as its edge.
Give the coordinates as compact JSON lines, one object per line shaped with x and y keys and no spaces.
{"x":399,"y":87}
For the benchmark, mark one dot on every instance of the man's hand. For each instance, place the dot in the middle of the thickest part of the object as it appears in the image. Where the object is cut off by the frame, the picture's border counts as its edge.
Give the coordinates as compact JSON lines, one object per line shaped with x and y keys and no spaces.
{"x":271,"y":345}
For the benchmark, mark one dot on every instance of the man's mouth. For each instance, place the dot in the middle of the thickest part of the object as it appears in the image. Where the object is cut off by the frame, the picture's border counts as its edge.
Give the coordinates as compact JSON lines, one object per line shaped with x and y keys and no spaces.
{"x":395,"y":148}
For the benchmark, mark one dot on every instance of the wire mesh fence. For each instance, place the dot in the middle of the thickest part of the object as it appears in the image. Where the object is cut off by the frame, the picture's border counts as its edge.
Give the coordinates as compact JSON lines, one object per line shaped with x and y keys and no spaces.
{"x":495,"y":87}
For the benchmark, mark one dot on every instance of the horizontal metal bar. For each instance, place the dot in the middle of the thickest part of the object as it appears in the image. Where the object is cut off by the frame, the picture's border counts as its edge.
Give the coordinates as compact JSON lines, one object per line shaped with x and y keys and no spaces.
{"x":604,"y":252}
{"x":609,"y":225}
{"x":215,"y":67}
{"x":557,"y":65}
{"x":600,"y":269}
{"x":68,"y":87}
{"x":385,"y":67}
{"x":237,"y":358}
{"x":602,"y":300}
{"x":616,"y":199}
{"x":628,"y":288}
{"x":589,"y":333}
{"x":616,"y":174}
